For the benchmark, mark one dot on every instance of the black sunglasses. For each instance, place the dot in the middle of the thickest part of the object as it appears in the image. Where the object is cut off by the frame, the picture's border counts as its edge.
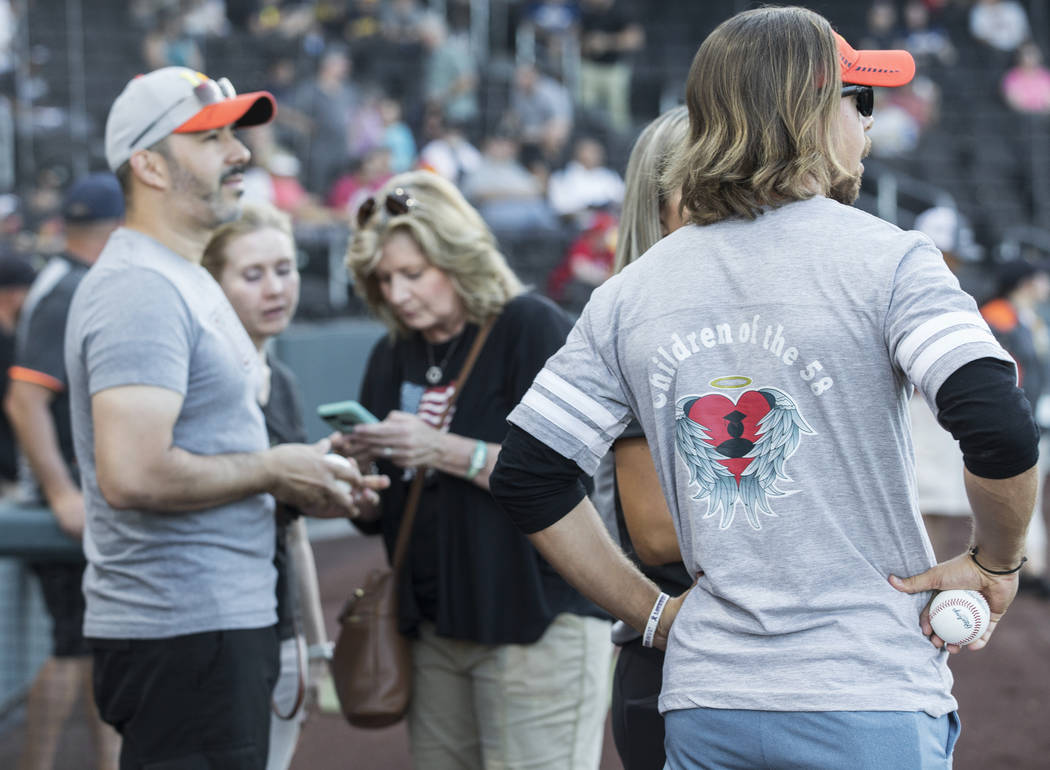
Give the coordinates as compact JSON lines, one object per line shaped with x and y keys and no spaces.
{"x":207,"y":92}
{"x":865,"y":98}
{"x":397,"y":202}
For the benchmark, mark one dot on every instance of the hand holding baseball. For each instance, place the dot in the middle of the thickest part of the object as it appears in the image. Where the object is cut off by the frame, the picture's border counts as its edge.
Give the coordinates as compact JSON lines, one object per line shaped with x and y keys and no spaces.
{"x":961,"y":573}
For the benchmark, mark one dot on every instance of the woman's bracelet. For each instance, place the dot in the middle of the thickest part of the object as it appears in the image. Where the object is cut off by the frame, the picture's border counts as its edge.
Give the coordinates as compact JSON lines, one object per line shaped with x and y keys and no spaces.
{"x":654,"y":620}
{"x":973,"y":555}
{"x":477,"y":459}
{"x":322,"y":651}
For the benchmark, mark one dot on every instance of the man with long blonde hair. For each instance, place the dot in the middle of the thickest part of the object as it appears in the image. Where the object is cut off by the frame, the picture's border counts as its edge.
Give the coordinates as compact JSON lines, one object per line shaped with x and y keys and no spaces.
{"x":768,"y":351}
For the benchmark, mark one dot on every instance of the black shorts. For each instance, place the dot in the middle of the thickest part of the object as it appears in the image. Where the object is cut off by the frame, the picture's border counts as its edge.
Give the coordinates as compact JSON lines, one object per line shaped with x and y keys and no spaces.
{"x":188,"y":702}
{"x":60,"y":583}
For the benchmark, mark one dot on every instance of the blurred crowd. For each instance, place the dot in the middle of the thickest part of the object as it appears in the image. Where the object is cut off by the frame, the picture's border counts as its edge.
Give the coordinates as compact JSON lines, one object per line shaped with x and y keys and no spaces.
{"x":371,"y":88}
{"x":368,"y":89}
{"x":938,"y":33}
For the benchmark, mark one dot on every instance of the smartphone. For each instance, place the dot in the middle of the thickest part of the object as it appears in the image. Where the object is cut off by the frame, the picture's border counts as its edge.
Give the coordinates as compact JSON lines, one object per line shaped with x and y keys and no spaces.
{"x":344,"y":415}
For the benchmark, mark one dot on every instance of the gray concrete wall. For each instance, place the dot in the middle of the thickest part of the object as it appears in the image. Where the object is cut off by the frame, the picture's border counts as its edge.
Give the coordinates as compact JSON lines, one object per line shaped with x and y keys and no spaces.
{"x":329,"y":360}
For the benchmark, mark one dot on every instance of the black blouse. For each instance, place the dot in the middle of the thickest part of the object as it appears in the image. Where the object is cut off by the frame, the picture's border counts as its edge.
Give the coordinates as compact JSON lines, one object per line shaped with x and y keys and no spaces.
{"x":470,"y":570}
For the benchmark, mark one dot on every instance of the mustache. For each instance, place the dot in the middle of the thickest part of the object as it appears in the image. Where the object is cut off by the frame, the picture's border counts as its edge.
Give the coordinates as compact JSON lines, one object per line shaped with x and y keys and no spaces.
{"x":237,"y":170}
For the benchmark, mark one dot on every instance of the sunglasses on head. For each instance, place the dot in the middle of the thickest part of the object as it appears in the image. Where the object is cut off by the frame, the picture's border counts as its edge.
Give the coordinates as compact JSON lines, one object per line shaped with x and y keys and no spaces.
{"x":865,"y":98}
{"x":206,"y":92}
{"x":397,"y":202}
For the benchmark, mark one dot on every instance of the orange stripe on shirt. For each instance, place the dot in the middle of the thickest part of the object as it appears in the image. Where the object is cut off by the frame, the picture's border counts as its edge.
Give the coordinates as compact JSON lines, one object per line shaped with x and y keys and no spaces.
{"x":22,"y":374}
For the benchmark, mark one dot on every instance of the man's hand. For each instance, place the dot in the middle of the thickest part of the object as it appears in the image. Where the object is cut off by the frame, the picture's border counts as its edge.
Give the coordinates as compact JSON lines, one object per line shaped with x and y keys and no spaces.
{"x":961,"y":572}
{"x":352,"y":446}
{"x":28,"y":406}
{"x":302,"y":478}
{"x":663,"y":628}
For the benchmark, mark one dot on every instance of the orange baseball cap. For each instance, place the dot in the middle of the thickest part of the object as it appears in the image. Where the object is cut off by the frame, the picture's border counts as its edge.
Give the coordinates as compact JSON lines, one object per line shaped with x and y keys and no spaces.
{"x":178,"y":100}
{"x":874,"y":68}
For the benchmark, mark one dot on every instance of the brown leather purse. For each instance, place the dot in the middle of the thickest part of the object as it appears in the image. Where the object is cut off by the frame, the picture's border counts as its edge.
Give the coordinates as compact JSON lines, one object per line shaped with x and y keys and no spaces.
{"x":372,"y":661}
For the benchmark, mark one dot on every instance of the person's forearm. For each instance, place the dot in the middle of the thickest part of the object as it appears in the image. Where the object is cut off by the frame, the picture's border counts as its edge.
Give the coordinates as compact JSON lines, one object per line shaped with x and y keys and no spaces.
{"x":579,"y":547}
{"x":455,"y":454}
{"x":181,"y":481}
{"x":28,"y":410}
{"x":645,"y":511}
{"x":301,"y":556}
{"x":1002,"y":509}
{"x":652,"y":532}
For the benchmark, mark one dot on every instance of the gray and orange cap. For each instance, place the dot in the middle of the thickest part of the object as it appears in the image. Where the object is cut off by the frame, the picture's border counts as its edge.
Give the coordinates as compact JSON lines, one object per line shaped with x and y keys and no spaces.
{"x":177,"y":100}
{"x":873,"y":68}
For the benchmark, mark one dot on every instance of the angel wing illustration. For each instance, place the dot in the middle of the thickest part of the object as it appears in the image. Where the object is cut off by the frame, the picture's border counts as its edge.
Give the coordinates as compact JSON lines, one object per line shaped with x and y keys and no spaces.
{"x":724,"y":475}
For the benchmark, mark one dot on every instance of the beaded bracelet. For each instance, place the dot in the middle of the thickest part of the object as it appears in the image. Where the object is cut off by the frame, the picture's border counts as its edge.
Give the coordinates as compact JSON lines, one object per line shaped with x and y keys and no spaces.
{"x":477,"y":459}
{"x":973,"y":555}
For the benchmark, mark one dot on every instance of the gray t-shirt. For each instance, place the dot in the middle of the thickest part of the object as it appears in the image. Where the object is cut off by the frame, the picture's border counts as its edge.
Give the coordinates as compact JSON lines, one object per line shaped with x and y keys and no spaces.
{"x":770,"y":365}
{"x":145,"y":316}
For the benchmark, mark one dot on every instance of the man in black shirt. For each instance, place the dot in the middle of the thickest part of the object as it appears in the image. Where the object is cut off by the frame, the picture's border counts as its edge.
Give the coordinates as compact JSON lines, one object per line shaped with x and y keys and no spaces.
{"x":16,"y":275}
{"x":37,"y":403}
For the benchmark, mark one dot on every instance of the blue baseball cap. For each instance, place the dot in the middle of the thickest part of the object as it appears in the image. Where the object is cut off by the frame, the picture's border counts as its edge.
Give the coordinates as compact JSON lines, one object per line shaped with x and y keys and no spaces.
{"x":93,"y":198}
{"x":16,"y":271}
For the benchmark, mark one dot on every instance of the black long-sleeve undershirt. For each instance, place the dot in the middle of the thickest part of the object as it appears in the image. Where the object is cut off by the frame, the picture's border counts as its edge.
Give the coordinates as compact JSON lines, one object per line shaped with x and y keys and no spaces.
{"x":980,"y":404}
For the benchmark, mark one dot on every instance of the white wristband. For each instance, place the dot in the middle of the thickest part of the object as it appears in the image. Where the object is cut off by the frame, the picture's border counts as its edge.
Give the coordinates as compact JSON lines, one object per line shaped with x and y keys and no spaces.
{"x":654,"y":620}
{"x":321,"y":651}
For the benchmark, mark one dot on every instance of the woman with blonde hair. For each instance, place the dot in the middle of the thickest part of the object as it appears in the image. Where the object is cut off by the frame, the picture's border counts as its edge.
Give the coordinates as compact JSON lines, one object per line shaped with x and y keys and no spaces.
{"x":510,"y":664}
{"x":254,"y":260}
{"x":644,"y":525}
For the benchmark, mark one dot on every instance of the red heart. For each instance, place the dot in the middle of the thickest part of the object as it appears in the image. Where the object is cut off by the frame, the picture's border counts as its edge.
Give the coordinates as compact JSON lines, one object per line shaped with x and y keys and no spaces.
{"x":732,"y":427}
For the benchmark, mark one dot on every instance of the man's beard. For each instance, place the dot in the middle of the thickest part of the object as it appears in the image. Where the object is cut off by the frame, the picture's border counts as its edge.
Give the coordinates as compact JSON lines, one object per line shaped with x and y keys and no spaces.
{"x":219,"y":210}
{"x":847,"y":190}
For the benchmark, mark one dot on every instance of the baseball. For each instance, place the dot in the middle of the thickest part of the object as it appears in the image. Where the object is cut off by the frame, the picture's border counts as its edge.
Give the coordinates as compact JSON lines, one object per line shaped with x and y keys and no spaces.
{"x":336,"y":462}
{"x":959,"y":617}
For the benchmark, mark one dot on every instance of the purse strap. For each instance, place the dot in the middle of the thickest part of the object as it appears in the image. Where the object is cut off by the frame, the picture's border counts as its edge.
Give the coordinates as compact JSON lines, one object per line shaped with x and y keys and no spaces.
{"x":415,"y":491}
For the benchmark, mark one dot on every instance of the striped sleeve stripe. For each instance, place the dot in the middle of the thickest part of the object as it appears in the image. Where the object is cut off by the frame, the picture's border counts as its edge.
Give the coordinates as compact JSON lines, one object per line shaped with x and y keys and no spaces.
{"x":22,"y":374}
{"x":577,"y":399}
{"x":946,"y":344}
{"x":558,"y":417}
{"x":931,"y":328}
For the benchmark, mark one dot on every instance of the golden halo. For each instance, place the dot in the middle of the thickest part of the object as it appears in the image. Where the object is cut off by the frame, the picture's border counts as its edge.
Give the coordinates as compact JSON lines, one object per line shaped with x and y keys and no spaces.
{"x":732,"y":382}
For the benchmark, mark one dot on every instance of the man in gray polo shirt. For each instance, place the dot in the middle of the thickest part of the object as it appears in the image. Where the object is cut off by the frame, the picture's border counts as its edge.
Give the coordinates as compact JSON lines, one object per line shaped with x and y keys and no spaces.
{"x":177,"y":475}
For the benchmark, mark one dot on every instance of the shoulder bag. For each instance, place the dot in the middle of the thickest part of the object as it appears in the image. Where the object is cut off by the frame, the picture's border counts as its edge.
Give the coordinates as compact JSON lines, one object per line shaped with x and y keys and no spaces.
{"x":372,"y":660}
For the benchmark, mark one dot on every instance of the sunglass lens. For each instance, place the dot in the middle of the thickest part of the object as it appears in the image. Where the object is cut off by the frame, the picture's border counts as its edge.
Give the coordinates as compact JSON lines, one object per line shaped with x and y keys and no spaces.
{"x":398,"y":202}
{"x":866,"y":101}
{"x":365,"y":211}
{"x":212,"y":91}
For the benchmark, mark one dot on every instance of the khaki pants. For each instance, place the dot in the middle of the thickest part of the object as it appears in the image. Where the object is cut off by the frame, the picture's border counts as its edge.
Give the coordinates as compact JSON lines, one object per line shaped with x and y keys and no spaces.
{"x":607,"y":87}
{"x":512,"y":706}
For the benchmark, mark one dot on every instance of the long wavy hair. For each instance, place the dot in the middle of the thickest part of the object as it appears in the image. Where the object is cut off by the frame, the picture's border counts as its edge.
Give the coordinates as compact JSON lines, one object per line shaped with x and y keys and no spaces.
{"x":452,"y":236}
{"x":644,"y":197}
{"x":763,"y":96}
